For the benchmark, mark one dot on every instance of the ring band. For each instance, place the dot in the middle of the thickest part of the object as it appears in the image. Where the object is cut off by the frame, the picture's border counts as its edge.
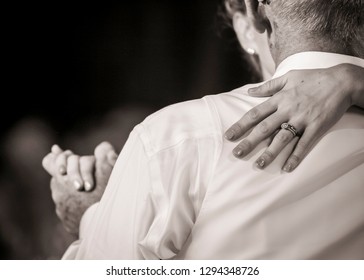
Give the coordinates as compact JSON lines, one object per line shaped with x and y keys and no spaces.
{"x":290,"y":128}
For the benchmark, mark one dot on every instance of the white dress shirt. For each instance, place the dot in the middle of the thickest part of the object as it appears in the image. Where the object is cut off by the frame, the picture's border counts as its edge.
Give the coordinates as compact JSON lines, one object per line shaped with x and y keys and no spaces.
{"x":177,"y":192}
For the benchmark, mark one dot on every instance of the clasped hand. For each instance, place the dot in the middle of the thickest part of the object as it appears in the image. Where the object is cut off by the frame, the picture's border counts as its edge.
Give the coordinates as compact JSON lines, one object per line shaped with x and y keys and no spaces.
{"x":78,"y":181}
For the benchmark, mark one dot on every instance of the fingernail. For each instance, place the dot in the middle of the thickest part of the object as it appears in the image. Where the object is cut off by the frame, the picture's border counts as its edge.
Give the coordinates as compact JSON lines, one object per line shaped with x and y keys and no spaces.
{"x":238,"y":152}
{"x":88,"y":186}
{"x":260,"y":163}
{"x":77,"y":184}
{"x":229,"y":135}
{"x":62,"y":170}
{"x":288,"y":167}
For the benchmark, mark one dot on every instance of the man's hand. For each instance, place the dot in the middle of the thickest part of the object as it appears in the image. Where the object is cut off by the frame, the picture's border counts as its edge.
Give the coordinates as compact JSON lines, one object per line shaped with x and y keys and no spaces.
{"x":71,"y":204}
{"x":310,"y":100}
{"x":72,"y":174}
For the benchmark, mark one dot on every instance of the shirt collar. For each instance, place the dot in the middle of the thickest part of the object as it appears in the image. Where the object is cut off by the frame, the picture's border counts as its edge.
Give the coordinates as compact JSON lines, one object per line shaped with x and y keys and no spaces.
{"x":314,"y":60}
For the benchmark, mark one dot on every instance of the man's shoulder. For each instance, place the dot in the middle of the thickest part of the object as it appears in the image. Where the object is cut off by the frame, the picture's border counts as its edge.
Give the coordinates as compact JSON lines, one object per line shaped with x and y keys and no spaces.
{"x":193,"y":119}
{"x":179,"y":122}
{"x":177,"y":111}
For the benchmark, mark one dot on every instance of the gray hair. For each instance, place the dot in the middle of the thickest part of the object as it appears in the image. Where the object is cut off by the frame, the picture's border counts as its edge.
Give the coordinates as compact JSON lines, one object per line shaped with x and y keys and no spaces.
{"x":338,"y":21}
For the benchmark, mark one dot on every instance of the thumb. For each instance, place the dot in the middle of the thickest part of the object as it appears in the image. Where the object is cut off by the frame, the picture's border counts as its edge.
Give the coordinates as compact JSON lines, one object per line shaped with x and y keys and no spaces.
{"x":268,"y":88}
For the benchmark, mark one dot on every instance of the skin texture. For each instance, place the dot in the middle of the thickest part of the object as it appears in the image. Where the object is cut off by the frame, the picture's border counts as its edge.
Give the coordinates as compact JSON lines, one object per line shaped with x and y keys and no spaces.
{"x":85,"y":172}
{"x":311,"y":100}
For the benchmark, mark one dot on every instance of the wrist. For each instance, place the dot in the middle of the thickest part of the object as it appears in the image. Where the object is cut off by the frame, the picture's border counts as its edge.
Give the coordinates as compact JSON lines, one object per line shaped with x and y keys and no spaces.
{"x":353,"y":83}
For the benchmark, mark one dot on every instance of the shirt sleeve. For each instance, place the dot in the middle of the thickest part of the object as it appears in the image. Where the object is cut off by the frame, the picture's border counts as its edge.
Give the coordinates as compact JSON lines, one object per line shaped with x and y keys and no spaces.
{"x":149,"y":206}
{"x":84,"y":223}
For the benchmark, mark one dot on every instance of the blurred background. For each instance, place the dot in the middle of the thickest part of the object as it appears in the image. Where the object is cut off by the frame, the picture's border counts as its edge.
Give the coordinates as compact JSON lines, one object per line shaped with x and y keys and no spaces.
{"x":80,"y":74}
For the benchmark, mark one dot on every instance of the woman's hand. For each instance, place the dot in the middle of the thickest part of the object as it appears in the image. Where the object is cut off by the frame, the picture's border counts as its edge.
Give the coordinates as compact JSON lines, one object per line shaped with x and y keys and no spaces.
{"x":309,"y":100}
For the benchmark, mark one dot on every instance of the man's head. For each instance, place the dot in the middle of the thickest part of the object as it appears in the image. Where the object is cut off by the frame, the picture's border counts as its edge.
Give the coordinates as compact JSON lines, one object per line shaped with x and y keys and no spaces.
{"x":314,"y":25}
{"x":302,"y":25}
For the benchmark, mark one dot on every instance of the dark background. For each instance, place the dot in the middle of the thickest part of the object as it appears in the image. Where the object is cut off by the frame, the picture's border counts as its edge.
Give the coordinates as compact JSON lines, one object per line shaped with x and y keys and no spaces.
{"x":78,"y":74}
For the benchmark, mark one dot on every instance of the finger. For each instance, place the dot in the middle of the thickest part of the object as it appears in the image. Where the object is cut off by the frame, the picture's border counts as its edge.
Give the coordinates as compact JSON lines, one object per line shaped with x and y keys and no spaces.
{"x":279,"y":142}
{"x":263,"y":130}
{"x":48,"y":163}
{"x":269,"y":88}
{"x":73,"y":171}
{"x":105,"y":157}
{"x":87,"y":168}
{"x":103,"y":165}
{"x":56,"y":149}
{"x":301,"y":149}
{"x":61,"y":162}
{"x":251,"y":118}
{"x":102,"y":149}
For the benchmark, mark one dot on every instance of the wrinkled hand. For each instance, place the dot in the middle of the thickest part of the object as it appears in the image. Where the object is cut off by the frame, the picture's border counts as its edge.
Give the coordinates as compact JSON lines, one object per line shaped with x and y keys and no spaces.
{"x":310,"y":100}
{"x":69,"y":171}
{"x":71,"y":204}
{"x":81,"y":171}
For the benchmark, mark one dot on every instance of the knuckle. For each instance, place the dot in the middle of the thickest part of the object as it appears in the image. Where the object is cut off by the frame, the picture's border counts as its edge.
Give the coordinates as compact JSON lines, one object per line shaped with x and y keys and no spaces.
{"x":236,"y":130}
{"x":294,"y":159}
{"x":67,"y":152}
{"x":302,"y":146}
{"x":236,"y":127}
{"x":253,"y":114}
{"x":271,"y":84}
{"x":263,"y":127}
{"x":269,"y":155}
{"x":73,"y":158}
{"x":245,"y":144}
{"x":103,"y":146}
{"x":87,"y":160}
{"x":284,"y":137}
{"x":275,"y":100}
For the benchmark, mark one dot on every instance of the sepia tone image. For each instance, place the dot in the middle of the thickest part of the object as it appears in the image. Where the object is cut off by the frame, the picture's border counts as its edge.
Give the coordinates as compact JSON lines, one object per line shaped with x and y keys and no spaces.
{"x":226,"y":129}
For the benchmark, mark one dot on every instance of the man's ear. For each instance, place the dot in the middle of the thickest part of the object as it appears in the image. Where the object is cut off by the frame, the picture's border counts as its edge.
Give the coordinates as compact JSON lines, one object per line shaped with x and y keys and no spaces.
{"x":245,"y":32}
{"x":253,"y":15}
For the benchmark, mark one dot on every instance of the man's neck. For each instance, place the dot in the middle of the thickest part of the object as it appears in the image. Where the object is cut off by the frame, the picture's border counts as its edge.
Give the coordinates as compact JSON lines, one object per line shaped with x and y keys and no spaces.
{"x":290,"y":46}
